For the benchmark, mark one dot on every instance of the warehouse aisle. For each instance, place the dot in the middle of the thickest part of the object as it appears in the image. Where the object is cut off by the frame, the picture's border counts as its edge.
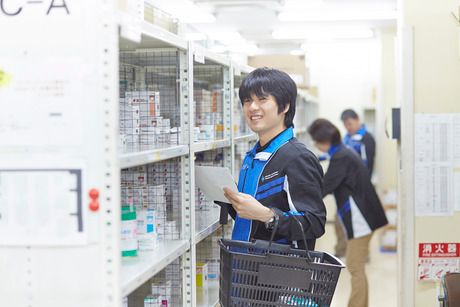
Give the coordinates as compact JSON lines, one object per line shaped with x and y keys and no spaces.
{"x":381,"y":272}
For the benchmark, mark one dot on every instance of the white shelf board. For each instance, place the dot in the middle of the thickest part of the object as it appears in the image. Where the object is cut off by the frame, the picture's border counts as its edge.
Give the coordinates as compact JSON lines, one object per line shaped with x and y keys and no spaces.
{"x":151,"y":156}
{"x":216,"y":58}
{"x":208,"y":297}
{"x":246,"y":138}
{"x":136,"y":271}
{"x":152,"y":36}
{"x":210,"y":145}
{"x":204,"y":233}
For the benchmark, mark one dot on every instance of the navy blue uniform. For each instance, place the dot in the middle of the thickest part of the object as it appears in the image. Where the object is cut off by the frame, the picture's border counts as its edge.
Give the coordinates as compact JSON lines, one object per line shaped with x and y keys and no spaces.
{"x":364,"y":144}
{"x":285,"y":176}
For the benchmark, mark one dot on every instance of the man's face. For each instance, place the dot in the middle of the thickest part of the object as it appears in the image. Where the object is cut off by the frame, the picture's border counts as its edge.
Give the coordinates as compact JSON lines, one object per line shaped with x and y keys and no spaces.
{"x":261,"y":114}
{"x":323,"y":147}
{"x":352,"y":125}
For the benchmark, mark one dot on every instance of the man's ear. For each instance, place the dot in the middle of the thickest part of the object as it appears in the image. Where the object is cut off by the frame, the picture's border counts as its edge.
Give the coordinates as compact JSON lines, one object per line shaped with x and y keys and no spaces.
{"x":286,"y":109}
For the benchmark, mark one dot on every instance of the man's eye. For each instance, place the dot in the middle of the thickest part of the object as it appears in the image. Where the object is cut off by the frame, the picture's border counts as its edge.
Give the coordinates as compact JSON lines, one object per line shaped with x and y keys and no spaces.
{"x":246,"y":101}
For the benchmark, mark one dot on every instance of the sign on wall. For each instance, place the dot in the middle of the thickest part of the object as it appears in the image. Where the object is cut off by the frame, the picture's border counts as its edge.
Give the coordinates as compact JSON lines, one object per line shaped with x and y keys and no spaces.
{"x":436,"y":259}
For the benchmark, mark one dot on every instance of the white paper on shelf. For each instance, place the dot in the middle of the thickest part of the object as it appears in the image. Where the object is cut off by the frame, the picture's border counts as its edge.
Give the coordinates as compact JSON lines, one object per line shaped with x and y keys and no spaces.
{"x":437,"y":164}
{"x":47,"y":211}
{"x":212,"y":180}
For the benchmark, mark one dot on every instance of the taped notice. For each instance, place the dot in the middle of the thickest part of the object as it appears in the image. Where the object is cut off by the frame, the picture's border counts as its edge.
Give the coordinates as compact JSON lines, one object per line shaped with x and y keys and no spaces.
{"x":41,"y":207}
{"x":437,"y":164}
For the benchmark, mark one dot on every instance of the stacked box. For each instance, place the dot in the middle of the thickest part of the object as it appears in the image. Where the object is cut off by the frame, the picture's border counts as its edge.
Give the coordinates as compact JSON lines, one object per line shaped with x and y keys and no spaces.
{"x":146,"y":230}
{"x":163,"y":290}
{"x":148,"y":101}
{"x":174,"y":136}
{"x":203,"y":102}
{"x":202,"y":275}
{"x":157,"y":199}
{"x":130,"y":123}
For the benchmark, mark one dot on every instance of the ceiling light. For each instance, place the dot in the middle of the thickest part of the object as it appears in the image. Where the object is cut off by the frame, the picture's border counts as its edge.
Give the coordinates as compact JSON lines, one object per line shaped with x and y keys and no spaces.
{"x":301,"y":4}
{"x":247,"y":48}
{"x":331,"y":15}
{"x":320,"y":33}
{"x":185,"y":10}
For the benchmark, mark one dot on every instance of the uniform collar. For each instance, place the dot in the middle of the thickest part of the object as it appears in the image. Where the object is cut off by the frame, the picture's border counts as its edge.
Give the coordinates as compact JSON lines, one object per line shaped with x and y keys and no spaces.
{"x":361,"y":131}
{"x":273,"y":144}
{"x":333,"y":149}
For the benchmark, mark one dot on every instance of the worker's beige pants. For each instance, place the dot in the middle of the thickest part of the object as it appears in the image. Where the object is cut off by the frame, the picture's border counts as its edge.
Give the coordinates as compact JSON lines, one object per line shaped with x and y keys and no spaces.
{"x":356,"y":258}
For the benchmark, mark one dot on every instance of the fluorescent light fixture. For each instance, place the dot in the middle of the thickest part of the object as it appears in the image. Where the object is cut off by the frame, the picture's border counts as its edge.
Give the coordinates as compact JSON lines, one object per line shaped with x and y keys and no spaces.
{"x":301,"y":4}
{"x":186,"y":11}
{"x":297,"y":52}
{"x":331,"y":15}
{"x":226,"y":36}
{"x":247,"y":48}
{"x":197,"y":36}
{"x":231,"y":41}
{"x":321,"y":33}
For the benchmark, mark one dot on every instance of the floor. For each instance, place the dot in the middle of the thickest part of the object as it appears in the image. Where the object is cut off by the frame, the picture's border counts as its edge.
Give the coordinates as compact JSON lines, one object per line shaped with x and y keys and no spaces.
{"x":381,"y":273}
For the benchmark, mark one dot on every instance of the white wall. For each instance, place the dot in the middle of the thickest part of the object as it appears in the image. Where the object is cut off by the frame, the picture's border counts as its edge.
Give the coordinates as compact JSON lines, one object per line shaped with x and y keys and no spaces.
{"x":435,"y":89}
{"x":387,"y":162}
{"x":346,"y":74}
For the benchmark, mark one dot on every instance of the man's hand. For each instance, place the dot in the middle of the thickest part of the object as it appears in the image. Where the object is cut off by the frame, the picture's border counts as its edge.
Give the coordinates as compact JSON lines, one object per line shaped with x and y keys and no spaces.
{"x":247,"y":206}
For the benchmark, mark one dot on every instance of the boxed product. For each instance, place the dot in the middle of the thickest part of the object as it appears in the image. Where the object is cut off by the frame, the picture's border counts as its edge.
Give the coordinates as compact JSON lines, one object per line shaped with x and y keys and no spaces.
{"x":163,"y":291}
{"x":202,"y":275}
{"x":152,"y":301}
{"x":149,"y":101}
{"x":146,"y":232}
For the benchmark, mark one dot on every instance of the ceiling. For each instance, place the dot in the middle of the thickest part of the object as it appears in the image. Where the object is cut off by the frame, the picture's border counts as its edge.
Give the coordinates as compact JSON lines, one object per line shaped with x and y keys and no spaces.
{"x":254,"y":21}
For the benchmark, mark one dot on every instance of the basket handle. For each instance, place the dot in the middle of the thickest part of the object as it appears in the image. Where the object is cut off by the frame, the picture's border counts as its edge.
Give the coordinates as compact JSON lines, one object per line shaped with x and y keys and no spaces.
{"x":304,"y":239}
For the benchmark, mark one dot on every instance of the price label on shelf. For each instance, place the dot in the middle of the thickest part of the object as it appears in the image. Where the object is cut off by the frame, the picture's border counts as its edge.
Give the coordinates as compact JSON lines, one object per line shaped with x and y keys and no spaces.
{"x":198,"y":57}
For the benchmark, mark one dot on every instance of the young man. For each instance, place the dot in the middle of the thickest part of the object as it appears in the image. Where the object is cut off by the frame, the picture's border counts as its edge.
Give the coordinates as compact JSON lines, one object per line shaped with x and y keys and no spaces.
{"x":359,"y":209}
{"x":280,"y":178}
{"x":358,"y":138}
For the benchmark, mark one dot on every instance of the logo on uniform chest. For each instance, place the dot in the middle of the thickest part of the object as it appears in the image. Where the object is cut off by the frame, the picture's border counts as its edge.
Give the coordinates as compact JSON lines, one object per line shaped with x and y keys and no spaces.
{"x":270,"y":176}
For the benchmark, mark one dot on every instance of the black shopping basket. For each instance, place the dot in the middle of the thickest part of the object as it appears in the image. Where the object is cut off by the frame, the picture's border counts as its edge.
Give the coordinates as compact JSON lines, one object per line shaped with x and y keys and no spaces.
{"x":262,"y":273}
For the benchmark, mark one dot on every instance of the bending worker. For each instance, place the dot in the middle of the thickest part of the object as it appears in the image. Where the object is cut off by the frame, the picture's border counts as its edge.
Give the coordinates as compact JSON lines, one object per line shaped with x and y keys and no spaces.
{"x":359,"y":209}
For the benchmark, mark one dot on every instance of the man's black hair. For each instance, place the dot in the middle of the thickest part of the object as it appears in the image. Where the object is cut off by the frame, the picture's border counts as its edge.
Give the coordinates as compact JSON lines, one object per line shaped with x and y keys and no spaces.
{"x":323,"y":131}
{"x":269,"y":81}
{"x":348,"y":113}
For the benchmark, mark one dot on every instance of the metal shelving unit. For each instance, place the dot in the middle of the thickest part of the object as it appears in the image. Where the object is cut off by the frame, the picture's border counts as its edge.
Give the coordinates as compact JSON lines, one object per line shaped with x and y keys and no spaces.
{"x":152,"y":156}
{"x":135,"y":272}
{"x":207,"y":231}
{"x":246,"y":138}
{"x":155,"y":60}
{"x":210,"y":145}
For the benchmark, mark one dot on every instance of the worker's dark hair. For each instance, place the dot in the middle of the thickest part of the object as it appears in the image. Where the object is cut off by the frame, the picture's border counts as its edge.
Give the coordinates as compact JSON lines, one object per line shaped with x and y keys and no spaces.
{"x":269,"y":81}
{"x":323,"y":131}
{"x":348,"y":113}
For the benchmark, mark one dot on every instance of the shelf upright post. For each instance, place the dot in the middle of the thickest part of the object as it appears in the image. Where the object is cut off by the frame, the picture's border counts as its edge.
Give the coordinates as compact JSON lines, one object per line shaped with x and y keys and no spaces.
{"x":232,"y":119}
{"x":188,"y":175}
{"x":228,"y":115}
